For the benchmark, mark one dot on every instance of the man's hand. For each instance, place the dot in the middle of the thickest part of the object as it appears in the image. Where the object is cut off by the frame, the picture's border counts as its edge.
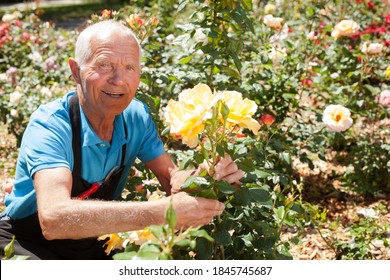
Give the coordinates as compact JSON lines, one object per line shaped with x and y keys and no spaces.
{"x":226,"y":169}
{"x":194,"y":211}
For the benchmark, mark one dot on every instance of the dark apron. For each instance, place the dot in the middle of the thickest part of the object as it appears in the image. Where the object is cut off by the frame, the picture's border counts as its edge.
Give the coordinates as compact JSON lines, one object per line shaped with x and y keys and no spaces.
{"x":29,"y":240}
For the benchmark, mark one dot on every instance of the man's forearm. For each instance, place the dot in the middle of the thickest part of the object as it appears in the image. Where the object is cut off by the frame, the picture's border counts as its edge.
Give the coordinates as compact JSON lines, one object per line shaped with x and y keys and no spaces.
{"x":83,"y":219}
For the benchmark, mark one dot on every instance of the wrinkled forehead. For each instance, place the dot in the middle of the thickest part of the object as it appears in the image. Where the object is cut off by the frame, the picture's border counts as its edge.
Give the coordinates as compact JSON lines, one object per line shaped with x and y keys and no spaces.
{"x":115,"y":42}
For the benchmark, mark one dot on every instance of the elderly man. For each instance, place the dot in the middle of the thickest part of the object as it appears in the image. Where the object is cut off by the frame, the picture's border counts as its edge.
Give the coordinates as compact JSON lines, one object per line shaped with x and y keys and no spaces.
{"x":73,"y":144}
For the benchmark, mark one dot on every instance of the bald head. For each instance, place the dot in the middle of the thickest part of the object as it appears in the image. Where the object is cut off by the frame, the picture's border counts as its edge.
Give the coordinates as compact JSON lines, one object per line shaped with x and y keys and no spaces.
{"x":102,"y":31}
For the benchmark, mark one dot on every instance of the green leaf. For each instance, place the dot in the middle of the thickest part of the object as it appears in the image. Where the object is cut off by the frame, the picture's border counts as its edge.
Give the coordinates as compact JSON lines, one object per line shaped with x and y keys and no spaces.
{"x":261,"y":174}
{"x":280,"y":212}
{"x":183,"y":243}
{"x":373,"y":90}
{"x":204,"y":249}
{"x":229,"y":71}
{"x":246,"y":196}
{"x":224,"y":187}
{"x":185,"y":60}
{"x":247,"y":4}
{"x":223,"y":237}
{"x":286,"y":157}
{"x":199,"y":158}
{"x":220,"y":150}
{"x":259,"y":195}
{"x":310,"y":11}
{"x":194,"y":182}
{"x":202,"y":234}
{"x":182,"y":4}
{"x":246,"y":165}
{"x":157,"y":231}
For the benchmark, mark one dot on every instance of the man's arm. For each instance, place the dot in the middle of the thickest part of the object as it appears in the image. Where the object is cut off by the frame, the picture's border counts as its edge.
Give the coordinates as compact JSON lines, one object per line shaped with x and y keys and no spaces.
{"x":62,"y":217}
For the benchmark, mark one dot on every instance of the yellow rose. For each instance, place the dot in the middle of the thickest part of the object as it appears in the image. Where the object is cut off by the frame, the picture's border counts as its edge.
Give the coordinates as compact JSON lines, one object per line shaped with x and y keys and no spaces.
{"x":241,"y":110}
{"x":139,"y":237}
{"x":387,"y":72}
{"x":345,"y":27}
{"x":186,"y":117}
{"x":114,"y":242}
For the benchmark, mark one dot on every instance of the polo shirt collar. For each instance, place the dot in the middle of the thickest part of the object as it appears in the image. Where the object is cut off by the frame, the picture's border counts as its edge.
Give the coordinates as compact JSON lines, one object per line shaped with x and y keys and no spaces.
{"x":90,"y":138}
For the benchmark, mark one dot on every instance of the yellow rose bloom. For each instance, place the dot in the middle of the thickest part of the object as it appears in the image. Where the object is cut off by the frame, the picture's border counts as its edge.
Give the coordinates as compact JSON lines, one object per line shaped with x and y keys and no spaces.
{"x":139,"y":237}
{"x":186,"y":117}
{"x":114,"y":242}
{"x":387,"y":72}
{"x":241,"y":110}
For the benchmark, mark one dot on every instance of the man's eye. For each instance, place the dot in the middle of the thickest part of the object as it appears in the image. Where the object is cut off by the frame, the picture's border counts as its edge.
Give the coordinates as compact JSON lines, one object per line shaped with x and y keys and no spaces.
{"x":130,"y":68}
{"x":105,"y":66}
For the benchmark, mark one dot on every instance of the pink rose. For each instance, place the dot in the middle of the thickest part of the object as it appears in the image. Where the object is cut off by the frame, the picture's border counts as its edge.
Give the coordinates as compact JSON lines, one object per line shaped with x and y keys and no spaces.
{"x":384,"y":98}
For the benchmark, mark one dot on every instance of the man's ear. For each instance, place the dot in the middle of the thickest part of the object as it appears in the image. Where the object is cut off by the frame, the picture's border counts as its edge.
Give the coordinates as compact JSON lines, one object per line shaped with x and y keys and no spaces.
{"x":75,"y":69}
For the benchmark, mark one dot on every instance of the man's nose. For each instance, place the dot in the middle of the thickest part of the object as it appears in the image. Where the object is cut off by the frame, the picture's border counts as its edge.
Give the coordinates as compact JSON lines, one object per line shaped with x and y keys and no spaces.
{"x":118,"y":76}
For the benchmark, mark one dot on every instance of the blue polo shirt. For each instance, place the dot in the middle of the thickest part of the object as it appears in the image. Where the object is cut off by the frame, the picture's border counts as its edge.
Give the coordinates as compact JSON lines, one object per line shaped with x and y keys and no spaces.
{"x":47,"y":143}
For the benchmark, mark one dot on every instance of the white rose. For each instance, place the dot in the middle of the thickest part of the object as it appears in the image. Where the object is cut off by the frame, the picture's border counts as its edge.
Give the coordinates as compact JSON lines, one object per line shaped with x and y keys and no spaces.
{"x":372,"y":48}
{"x":14,"y":113}
{"x":337,"y":118}
{"x":277,"y":54}
{"x":3,"y":77}
{"x":8,"y":18}
{"x":46,"y":92}
{"x":200,"y":37}
{"x":35,"y":56}
{"x":334,"y":75}
{"x":269,"y":8}
{"x":15,"y":98}
{"x":273,"y":22}
{"x":312,"y":35}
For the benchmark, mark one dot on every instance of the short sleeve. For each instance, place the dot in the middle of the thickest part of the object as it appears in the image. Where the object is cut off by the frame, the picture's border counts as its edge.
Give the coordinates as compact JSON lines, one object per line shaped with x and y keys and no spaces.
{"x":47,"y":142}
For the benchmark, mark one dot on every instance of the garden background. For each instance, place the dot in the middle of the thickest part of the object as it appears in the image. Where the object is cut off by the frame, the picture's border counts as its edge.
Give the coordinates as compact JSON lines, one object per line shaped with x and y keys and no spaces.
{"x":317,"y":177}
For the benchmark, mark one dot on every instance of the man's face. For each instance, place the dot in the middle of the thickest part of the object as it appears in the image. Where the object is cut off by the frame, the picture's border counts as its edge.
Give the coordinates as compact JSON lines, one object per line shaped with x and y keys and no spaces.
{"x":111,"y":76}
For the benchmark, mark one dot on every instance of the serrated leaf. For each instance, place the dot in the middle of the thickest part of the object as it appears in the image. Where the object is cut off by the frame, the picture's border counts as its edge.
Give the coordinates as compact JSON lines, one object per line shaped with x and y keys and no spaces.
{"x":224,"y":187}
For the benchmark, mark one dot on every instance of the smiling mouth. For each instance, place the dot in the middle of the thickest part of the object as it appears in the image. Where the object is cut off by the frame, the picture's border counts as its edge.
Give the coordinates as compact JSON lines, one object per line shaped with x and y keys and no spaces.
{"x":113,"y":94}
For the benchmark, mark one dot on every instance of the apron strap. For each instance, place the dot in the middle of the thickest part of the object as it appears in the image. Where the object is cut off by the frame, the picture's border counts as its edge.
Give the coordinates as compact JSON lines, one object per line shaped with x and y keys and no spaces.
{"x":79,"y":184}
